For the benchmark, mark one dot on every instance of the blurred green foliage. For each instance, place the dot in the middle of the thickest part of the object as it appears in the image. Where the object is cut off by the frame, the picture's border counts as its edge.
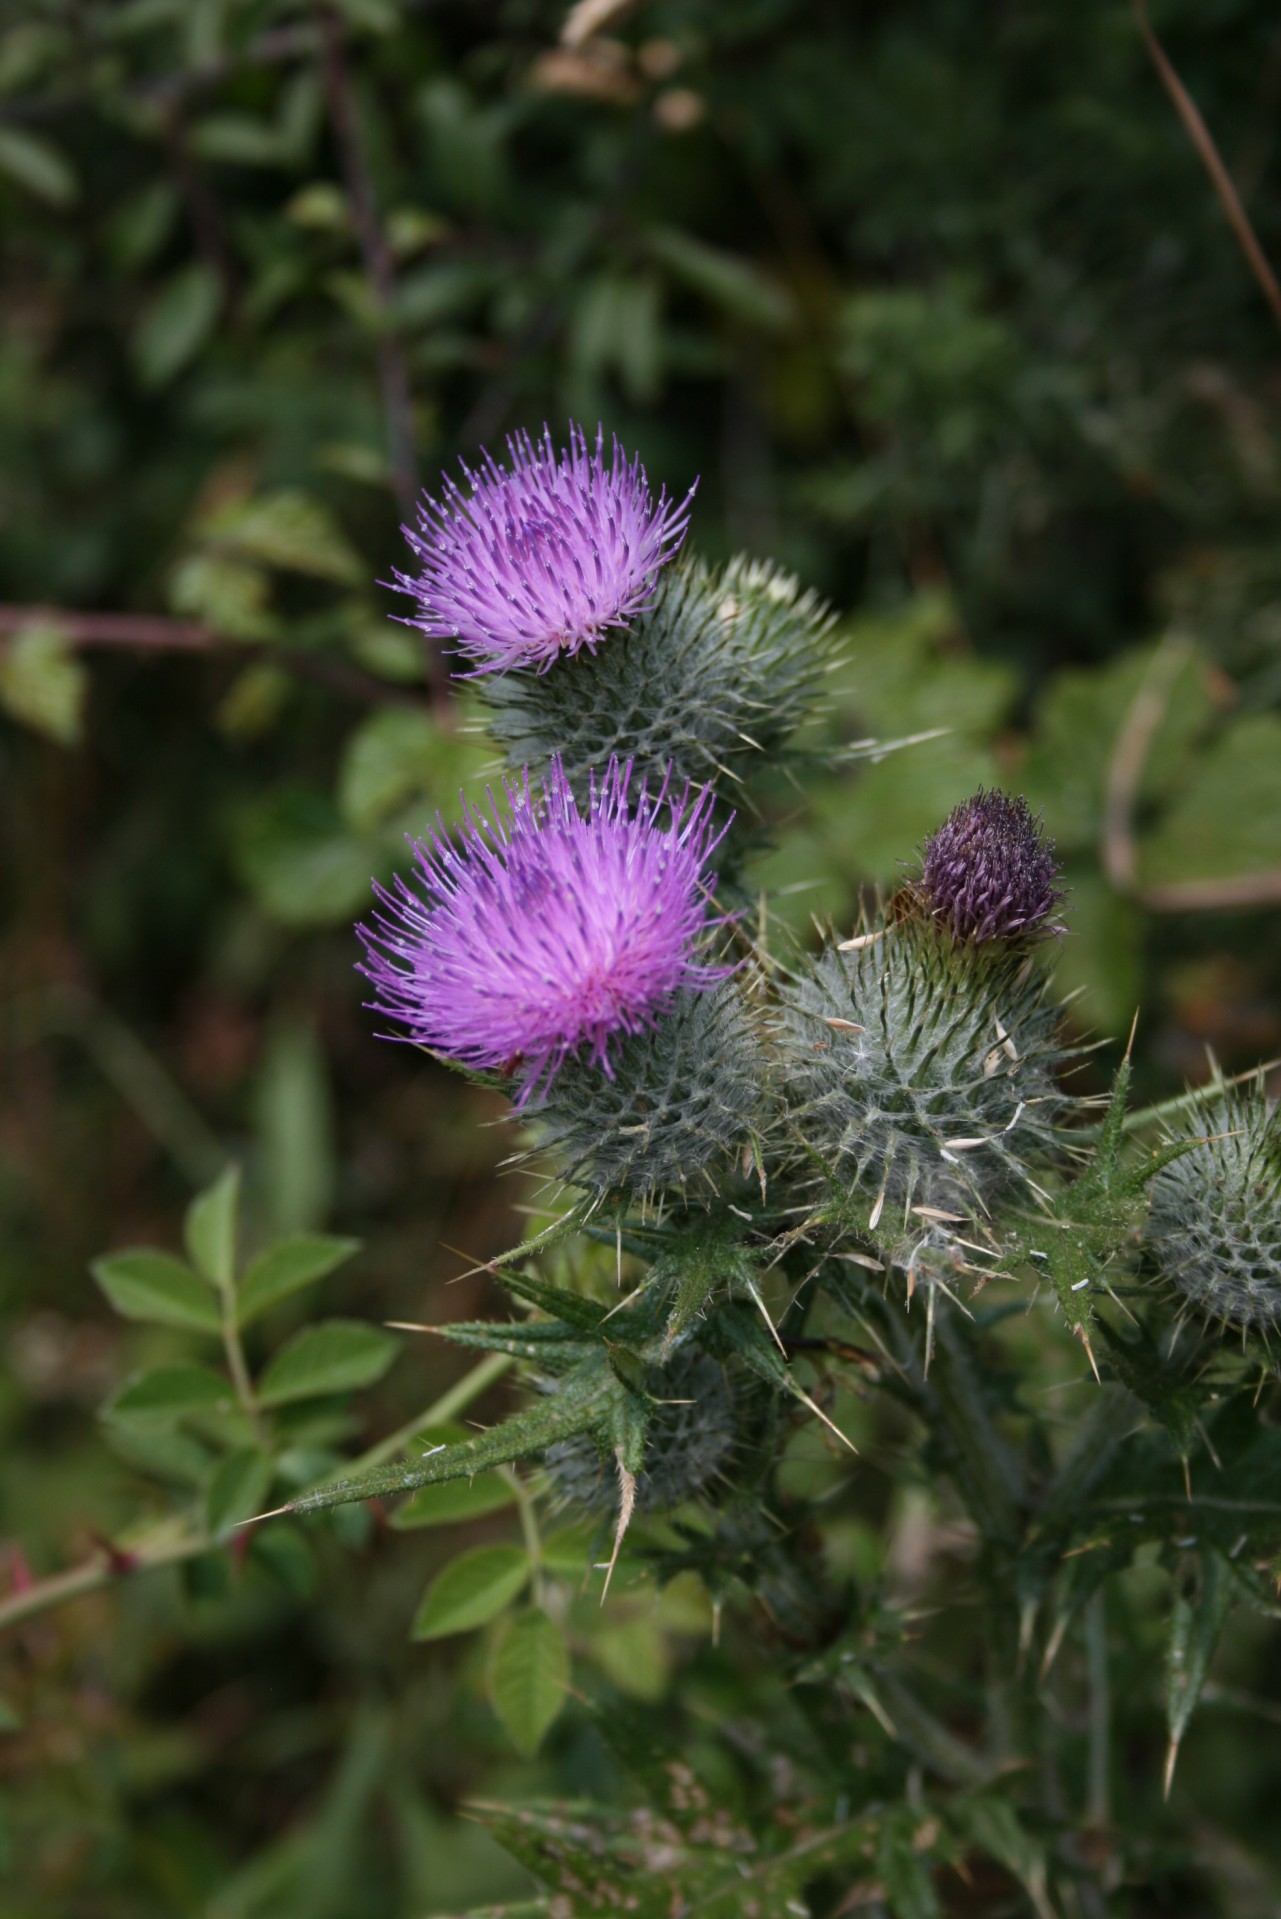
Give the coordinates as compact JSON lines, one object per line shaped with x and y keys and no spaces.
{"x":939,"y":303}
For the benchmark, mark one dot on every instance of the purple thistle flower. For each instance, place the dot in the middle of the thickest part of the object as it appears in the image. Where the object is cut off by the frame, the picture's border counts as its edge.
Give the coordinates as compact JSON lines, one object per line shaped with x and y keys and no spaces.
{"x":542,"y":557}
{"x":988,"y":873}
{"x":532,"y":938}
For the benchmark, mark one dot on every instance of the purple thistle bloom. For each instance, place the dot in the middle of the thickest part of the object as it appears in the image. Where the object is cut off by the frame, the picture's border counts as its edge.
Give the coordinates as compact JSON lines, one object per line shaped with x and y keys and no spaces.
{"x":532,"y":938}
{"x":543,"y":557}
{"x":988,"y":873}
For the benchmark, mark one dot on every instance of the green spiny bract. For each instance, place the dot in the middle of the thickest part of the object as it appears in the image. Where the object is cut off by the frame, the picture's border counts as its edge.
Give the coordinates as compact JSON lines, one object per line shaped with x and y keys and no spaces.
{"x":1214,"y":1227}
{"x":921,"y":1073}
{"x":692,"y":1429}
{"x":679,"y":1098}
{"x":714,"y":675}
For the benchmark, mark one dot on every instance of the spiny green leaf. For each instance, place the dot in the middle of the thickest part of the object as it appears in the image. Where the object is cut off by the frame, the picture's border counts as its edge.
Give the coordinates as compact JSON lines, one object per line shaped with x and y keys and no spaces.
{"x":287,"y":1267}
{"x":903,"y":1868}
{"x":583,"y":1401}
{"x":472,"y":1590}
{"x":210,"y":1230}
{"x":1203,"y":1598}
{"x":338,"y":1356}
{"x":144,"y":1284}
{"x":528,"y":1678}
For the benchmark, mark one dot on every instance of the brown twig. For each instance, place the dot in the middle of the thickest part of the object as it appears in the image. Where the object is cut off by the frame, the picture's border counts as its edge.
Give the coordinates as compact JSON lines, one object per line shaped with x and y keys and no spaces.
{"x":1119,"y":848}
{"x":149,"y":633}
{"x":1202,"y":140}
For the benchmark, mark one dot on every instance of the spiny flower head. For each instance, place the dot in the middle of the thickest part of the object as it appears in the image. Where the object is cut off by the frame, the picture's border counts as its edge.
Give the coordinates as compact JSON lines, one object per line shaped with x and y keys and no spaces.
{"x":542,"y":556}
{"x":529,"y":939}
{"x":989,"y":873}
{"x":1214,"y":1229}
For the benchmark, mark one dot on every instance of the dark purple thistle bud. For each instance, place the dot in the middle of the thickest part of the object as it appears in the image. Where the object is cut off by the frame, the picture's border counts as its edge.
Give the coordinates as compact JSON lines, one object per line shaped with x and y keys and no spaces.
{"x":541,"y":557}
{"x":521,"y":942}
{"x":989,"y":873}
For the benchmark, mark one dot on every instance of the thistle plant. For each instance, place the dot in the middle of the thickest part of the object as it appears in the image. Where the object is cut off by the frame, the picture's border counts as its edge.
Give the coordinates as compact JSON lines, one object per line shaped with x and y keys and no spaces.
{"x":755,"y":1155}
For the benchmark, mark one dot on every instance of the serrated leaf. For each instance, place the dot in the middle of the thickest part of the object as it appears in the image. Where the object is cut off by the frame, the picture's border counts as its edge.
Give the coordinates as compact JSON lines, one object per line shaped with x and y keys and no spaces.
{"x":528,"y":1679}
{"x":1202,"y":1602}
{"x":210,"y":1230}
{"x":339,"y":1356}
{"x":38,"y":166}
{"x":172,"y":1393}
{"x":144,"y":1284}
{"x":176,"y":324}
{"x":471,"y":1590}
{"x":237,"y":1489}
{"x":453,"y":1502}
{"x":43,"y":684}
{"x":286,"y":1267}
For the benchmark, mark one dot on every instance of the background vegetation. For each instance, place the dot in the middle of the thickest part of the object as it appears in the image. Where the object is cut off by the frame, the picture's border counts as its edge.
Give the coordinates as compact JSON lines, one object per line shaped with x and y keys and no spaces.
{"x":939,"y":304}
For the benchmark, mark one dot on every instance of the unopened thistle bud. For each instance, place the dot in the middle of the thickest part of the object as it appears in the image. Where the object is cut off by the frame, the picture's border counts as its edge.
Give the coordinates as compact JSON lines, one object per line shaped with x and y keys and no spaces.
{"x":989,"y":873}
{"x":541,"y":557}
{"x":921,"y":1074}
{"x":1214,"y":1226}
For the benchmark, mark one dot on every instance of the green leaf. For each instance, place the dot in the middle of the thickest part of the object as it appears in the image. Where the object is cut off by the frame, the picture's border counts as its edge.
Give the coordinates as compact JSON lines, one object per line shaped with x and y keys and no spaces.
{"x":170,"y":1393}
{"x":143,"y":1284}
{"x":10,"y":1717}
{"x":340,"y":1356}
{"x":294,"y":1112}
{"x":43,"y":684}
{"x":237,"y":1489}
{"x":1203,"y":1598}
{"x":210,"y":1230}
{"x":454,"y":1501}
{"x":230,"y":595}
{"x":472,"y":1590}
{"x":902,"y":1870}
{"x":302,"y":865}
{"x":176,"y":325}
{"x":388,"y":760}
{"x":1225,"y":817}
{"x":583,"y":1400}
{"x":36,"y":165}
{"x":287,"y":1558}
{"x":286,"y":1268}
{"x":287,"y":529}
{"x":528,"y":1679}
{"x":729,"y":282}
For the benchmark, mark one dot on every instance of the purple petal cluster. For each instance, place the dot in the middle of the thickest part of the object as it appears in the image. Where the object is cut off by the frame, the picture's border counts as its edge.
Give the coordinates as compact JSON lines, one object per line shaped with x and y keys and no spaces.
{"x":543,"y":556}
{"x":523,"y":940}
{"x":989,"y":873}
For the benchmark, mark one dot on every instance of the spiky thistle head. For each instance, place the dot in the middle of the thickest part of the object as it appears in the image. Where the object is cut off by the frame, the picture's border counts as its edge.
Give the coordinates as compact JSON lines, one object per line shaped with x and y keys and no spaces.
{"x":684,"y":1099}
{"x":542,"y":556}
{"x":989,"y":873}
{"x":920,"y":1075}
{"x":713,"y":677}
{"x":1214,"y":1226}
{"x":553,"y":933}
